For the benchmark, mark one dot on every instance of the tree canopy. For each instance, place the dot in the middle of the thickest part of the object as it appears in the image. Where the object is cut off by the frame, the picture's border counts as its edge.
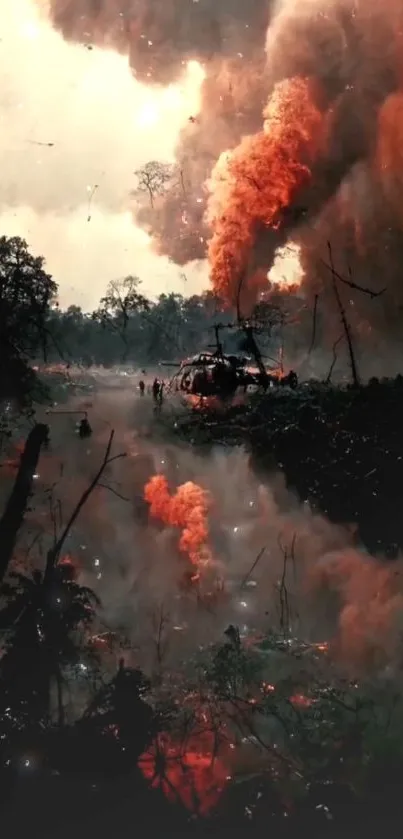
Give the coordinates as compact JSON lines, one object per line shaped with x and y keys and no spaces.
{"x":27,"y":292}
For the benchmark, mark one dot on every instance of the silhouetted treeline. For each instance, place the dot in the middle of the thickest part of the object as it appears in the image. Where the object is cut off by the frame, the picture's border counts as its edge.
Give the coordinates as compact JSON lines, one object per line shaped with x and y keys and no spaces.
{"x":170,"y":328}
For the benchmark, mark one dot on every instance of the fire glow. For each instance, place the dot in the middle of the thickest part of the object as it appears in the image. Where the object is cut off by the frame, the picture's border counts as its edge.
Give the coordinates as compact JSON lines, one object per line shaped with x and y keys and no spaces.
{"x":254,"y":185}
{"x":192,"y":776}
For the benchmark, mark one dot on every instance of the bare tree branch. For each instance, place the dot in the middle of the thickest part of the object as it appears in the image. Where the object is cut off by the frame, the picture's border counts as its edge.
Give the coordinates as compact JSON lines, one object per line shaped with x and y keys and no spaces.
{"x":346,"y":327}
{"x":350,"y":283}
{"x":54,"y":553}
{"x":334,"y":359}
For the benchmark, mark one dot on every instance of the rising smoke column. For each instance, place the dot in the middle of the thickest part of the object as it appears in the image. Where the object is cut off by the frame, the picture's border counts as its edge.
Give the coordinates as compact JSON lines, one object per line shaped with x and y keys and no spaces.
{"x":252,"y":187}
{"x":352,"y":48}
{"x":159,"y":38}
{"x":187,"y":510}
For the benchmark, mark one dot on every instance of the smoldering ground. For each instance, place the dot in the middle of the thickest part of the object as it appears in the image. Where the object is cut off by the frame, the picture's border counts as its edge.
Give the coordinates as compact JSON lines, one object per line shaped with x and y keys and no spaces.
{"x":334,"y":590}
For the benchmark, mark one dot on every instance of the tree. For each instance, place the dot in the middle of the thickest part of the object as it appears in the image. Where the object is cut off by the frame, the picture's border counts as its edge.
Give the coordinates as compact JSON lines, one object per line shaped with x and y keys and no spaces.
{"x":16,"y":506}
{"x":153,"y":179}
{"x":26,"y":293}
{"x":121,"y":301}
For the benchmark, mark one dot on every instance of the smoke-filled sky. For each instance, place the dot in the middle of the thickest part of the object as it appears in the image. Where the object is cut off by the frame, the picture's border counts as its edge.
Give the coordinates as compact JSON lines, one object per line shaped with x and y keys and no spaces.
{"x":116,"y":83}
{"x":104,"y":125}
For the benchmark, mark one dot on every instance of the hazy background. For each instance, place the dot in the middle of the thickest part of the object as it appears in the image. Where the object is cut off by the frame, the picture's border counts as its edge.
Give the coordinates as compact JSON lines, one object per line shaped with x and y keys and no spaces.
{"x":104,"y":125}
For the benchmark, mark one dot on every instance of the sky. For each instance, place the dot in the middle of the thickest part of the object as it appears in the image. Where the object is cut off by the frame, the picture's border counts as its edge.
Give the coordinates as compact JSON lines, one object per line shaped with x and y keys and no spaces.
{"x":104,"y":125}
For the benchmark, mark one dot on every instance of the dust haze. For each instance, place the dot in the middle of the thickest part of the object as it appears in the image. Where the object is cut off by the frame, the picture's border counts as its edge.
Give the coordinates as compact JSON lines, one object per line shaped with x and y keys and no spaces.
{"x":336,"y":591}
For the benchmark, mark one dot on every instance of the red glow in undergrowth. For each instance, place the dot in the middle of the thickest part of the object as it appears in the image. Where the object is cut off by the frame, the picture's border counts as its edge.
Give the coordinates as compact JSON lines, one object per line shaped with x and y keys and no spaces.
{"x":190,"y":776}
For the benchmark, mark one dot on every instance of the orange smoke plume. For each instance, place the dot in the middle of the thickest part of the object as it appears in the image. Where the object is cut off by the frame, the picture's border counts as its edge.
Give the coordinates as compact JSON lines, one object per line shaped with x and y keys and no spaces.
{"x":253,"y":186}
{"x":192,"y":776}
{"x":186,"y":509}
{"x":389,"y":152}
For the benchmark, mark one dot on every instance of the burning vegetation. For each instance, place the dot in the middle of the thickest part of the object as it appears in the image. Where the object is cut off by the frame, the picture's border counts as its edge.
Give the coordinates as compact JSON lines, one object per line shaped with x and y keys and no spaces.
{"x":255,"y":186}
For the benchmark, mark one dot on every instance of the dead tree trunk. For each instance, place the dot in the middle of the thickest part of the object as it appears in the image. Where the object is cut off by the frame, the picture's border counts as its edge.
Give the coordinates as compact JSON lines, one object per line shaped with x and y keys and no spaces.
{"x":345,"y":324}
{"x":250,"y":342}
{"x":255,"y":351}
{"x":16,"y":506}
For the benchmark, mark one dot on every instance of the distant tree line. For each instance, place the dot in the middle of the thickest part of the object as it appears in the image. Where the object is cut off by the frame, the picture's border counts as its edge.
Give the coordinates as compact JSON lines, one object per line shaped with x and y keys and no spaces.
{"x":126,"y":327}
{"x":129,"y":328}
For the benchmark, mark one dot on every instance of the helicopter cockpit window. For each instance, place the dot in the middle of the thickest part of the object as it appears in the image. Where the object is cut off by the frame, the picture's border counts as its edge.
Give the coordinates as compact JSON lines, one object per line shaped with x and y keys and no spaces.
{"x":201,"y":385}
{"x":186,"y":381}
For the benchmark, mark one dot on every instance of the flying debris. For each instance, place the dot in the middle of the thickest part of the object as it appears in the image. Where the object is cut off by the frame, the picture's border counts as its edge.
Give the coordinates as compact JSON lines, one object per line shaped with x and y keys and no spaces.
{"x":91,"y":192}
{"x":38,"y":143}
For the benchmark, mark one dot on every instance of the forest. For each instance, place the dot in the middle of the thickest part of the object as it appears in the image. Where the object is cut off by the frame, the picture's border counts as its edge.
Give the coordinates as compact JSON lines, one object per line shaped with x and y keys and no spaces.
{"x":176,"y":714}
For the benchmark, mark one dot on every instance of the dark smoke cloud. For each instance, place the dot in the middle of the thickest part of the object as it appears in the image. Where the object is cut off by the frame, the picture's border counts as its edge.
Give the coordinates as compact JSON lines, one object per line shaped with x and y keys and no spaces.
{"x":352,"y":48}
{"x":232,"y":101}
{"x":160,"y":35}
{"x":351,"y":51}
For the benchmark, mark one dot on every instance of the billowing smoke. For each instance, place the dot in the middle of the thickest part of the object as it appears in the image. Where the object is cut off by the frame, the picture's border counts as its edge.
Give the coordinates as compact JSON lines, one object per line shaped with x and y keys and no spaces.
{"x":133,"y":544}
{"x":160,"y":38}
{"x":160,"y":35}
{"x":349,"y":50}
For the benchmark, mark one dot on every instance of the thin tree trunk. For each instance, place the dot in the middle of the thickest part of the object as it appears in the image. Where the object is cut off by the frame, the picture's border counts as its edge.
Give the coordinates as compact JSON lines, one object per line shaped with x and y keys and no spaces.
{"x":16,"y":506}
{"x":343,"y":317}
{"x":54,"y":553}
{"x":60,"y":706}
{"x":250,"y":338}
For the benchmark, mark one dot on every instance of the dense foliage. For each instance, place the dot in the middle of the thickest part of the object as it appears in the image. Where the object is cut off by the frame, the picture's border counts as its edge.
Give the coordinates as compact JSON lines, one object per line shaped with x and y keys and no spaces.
{"x":26,"y":294}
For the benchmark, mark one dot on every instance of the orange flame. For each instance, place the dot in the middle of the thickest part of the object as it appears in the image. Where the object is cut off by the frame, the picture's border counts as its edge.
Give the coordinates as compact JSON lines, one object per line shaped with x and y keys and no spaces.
{"x":252,"y":186}
{"x":186,"y":509}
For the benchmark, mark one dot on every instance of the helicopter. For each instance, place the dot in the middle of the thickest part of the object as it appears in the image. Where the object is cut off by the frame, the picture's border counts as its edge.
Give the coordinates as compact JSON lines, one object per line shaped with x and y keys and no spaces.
{"x":219,"y":375}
